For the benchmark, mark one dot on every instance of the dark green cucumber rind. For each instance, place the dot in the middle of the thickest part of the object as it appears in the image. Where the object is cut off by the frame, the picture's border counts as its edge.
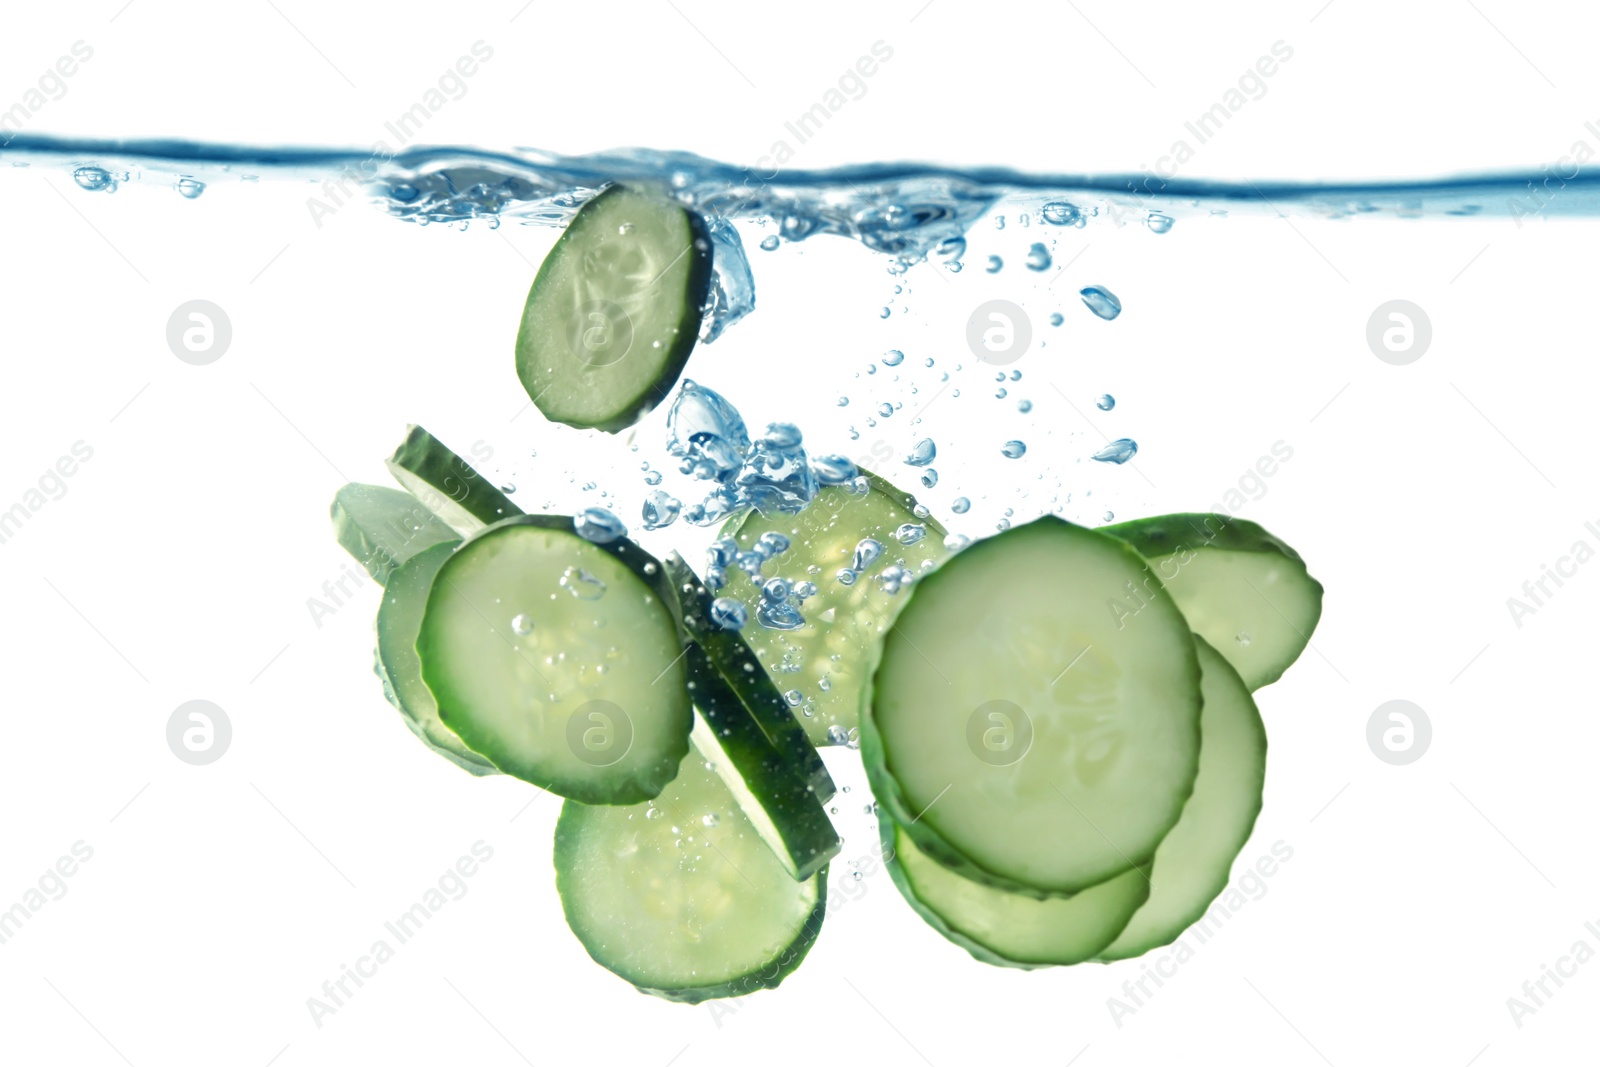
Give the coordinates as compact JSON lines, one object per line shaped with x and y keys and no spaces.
{"x":809,"y":840}
{"x":731,"y":657}
{"x":395,"y":655}
{"x":1166,"y":535}
{"x":696,"y":292}
{"x":647,"y":782}
{"x":446,"y":484}
{"x":569,"y":839}
{"x":977,"y":949}
{"x":890,"y":797}
{"x":383,"y":527}
{"x":1221,"y":881}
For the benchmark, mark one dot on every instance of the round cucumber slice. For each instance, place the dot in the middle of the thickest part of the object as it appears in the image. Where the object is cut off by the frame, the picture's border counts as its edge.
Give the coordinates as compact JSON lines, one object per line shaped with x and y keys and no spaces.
{"x":615,"y":309}
{"x":1009,"y":929}
{"x":681,"y":896}
{"x":399,"y":621}
{"x":559,"y":660}
{"x":830,"y":658}
{"x":447,"y":484}
{"x":383,"y":527}
{"x":1193,"y":861}
{"x":1242,"y":589}
{"x":1023,"y":734}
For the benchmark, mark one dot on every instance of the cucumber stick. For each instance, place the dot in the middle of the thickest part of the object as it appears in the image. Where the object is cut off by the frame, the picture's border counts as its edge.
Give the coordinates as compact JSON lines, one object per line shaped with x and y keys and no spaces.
{"x":1009,"y":929}
{"x":732,"y":660}
{"x":615,"y":309}
{"x":1021,"y":735}
{"x":559,"y":660}
{"x":830,"y":658}
{"x":405,"y":596}
{"x":681,"y":896}
{"x":1192,"y":863}
{"x":383,"y":527}
{"x":1242,"y":589}
{"x":780,"y":805}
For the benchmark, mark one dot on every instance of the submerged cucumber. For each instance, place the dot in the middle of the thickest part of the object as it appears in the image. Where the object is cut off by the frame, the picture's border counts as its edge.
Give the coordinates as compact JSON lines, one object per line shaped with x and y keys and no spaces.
{"x":733,"y":661}
{"x":447,"y":484}
{"x":781,"y":807}
{"x":830,"y":658}
{"x":615,"y":309}
{"x":1242,"y":589}
{"x":1021,"y":735}
{"x":559,"y":660}
{"x":1009,"y":929}
{"x":1192,"y":863}
{"x":383,"y":527}
{"x":399,"y":620}
{"x":681,"y":896}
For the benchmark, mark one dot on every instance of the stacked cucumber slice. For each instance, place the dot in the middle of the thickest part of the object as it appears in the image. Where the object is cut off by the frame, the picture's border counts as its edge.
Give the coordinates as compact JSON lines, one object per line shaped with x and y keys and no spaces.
{"x":1057,"y":722}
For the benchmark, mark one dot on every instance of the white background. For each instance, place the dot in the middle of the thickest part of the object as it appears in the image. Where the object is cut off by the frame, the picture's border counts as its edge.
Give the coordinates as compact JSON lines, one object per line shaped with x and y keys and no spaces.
{"x":179,"y":562}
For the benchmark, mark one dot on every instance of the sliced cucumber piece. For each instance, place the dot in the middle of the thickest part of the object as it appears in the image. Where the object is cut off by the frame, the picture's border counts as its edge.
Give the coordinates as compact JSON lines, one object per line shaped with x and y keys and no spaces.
{"x":830,"y":658}
{"x":732,"y":659}
{"x":1009,"y":929}
{"x":383,"y":527}
{"x":399,"y":621}
{"x":1242,"y":589}
{"x":1021,"y":735}
{"x":559,"y":660}
{"x":615,"y":309}
{"x":1192,"y":863}
{"x":681,"y":896}
{"x":782,"y":809}
{"x":447,"y":484}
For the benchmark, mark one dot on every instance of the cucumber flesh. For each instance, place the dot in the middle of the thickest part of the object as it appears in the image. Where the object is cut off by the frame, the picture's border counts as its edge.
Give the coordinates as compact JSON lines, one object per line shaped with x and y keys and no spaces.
{"x":733,"y":661}
{"x":1242,"y":589}
{"x":1022,"y":736}
{"x":681,"y":896}
{"x":1009,"y":929}
{"x":1193,"y":861}
{"x":383,"y":527}
{"x":447,"y":484}
{"x":399,"y":620}
{"x":559,"y":660}
{"x":782,"y":809}
{"x":615,"y":309}
{"x":830,"y":659}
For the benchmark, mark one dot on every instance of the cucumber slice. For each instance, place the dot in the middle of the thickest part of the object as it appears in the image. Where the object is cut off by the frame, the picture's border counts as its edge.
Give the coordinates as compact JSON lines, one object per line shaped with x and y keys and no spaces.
{"x":1192,"y":863}
{"x":447,"y":484}
{"x":383,"y":527}
{"x":399,"y":621}
{"x":782,"y":809}
{"x":1242,"y":589}
{"x":1009,"y":929}
{"x":831,"y":656}
{"x":615,"y":309}
{"x":733,"y":661}
{"x":1023,"y":737}
{"x":681,"y":896}
{"x":559,"y":660}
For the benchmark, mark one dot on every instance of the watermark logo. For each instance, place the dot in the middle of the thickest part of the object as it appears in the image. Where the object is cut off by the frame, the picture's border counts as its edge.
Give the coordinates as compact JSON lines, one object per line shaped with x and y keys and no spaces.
{"x":999,"y":732}
{"x":199,"y":732}
{"x":199,"y":332}
{"x":599,"y":733}
{"x":999,"y":332}
{"x":1399,"y":732}
{"x":1399,"y":332}
{"x":599,"y":333}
